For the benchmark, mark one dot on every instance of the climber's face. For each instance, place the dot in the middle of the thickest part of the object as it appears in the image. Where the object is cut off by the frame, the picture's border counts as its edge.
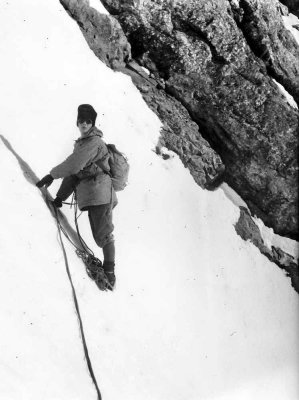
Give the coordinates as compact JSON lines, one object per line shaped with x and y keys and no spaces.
{"x":84,"y":126}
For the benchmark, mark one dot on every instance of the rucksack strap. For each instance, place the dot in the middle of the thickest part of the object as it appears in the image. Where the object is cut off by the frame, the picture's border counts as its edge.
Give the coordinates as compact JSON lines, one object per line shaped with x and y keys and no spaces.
{"x":100,"y":164}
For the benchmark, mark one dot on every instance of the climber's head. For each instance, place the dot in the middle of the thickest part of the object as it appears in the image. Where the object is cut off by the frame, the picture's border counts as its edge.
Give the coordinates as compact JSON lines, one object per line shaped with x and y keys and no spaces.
{"x":86,"y":118}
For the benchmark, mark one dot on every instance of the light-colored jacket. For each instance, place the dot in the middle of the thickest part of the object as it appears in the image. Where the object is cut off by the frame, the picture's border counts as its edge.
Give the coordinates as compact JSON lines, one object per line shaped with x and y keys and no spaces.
{"x":95,"y":186}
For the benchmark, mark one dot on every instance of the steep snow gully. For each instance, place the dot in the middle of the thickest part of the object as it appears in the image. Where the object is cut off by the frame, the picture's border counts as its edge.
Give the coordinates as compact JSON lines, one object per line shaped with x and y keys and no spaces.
{"x":198,"y":313}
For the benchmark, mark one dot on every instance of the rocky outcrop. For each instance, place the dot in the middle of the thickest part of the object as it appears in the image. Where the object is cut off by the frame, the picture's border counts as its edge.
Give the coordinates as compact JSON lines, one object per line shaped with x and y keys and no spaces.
{"x":264,"y":31}
{"x":200,"y":50}
{"x":102,"y":32}
{"x":211,"y":65}
{"x":179,"y":133}
{"x":248,"y":230}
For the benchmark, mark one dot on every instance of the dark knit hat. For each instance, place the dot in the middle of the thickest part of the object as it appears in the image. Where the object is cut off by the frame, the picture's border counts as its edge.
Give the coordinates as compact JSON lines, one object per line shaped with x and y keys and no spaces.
{"x":86,"y":112}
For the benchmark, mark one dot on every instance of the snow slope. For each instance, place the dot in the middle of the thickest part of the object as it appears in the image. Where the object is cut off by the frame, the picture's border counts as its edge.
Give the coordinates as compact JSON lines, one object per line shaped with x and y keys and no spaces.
{"x":197,"y":313}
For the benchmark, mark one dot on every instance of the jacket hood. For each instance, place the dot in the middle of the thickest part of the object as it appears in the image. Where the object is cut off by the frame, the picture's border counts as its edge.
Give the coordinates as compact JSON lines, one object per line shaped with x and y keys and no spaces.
{"x":93,"y":132}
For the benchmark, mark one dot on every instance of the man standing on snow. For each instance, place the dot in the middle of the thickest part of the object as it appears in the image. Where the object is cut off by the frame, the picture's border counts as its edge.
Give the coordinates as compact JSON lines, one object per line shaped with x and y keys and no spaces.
{"x":93,"y":184}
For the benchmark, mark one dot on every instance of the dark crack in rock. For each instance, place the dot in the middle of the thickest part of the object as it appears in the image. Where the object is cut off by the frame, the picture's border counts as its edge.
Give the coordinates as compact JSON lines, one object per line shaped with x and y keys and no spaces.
{"x":267,"y":37}
{"x":293,"y":6}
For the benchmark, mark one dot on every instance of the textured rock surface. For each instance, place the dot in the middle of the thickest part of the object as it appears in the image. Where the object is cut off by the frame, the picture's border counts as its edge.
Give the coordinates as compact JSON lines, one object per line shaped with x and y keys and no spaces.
{"x":102,"y":32}
{"x":180,"y":133}
{"x":203,"y":50}
{"x":248,"y":230}
{"x":270,"y":41}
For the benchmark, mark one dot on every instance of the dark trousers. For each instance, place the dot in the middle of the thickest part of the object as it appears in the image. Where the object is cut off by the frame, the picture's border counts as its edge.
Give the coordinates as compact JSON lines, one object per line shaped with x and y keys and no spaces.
{"x":67,"y":187}
{"x":100,"y":219}
{"x":100,"y":216}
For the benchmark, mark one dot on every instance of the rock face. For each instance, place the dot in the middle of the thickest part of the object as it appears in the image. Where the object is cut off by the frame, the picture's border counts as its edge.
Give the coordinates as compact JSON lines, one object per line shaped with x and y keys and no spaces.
{"x":102,"y":32}
{"x":179,"y":133}
{"x":212,"y":64}
{"x":265,"y":33}
{"x":217,"y":59}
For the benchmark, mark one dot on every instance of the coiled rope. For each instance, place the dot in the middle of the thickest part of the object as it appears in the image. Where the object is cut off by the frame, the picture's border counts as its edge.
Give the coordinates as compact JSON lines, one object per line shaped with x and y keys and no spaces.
{"x":93,"y":265}
{"x":89,"y":365}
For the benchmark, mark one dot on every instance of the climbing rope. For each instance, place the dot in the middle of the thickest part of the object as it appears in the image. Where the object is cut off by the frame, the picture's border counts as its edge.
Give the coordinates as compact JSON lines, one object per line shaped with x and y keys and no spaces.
{"x":83,"y":243}
{"x":93,"y":265}
{"x":89,"y":365}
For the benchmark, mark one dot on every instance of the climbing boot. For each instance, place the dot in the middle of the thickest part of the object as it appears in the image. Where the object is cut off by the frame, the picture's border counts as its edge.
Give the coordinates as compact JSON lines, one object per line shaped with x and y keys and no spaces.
{"x":108,"y":267}
{"x":111,"y":280}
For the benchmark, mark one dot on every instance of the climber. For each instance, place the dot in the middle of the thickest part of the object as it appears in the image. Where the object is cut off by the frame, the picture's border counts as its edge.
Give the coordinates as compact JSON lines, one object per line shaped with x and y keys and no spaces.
{"x":92,"y":184}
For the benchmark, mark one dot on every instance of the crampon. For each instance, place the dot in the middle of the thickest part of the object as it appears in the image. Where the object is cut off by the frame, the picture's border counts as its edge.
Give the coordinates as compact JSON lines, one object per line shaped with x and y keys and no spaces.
{"x":94,"y":269}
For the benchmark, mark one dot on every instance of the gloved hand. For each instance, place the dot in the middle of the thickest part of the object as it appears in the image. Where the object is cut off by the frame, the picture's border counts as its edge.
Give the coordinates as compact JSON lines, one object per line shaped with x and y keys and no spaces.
{"x":46,"y":181}
{"x":57,"y":202}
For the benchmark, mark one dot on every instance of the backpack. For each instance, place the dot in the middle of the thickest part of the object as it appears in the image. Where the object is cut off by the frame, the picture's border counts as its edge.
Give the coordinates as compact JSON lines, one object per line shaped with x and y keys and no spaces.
{"x":119,"y":168}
